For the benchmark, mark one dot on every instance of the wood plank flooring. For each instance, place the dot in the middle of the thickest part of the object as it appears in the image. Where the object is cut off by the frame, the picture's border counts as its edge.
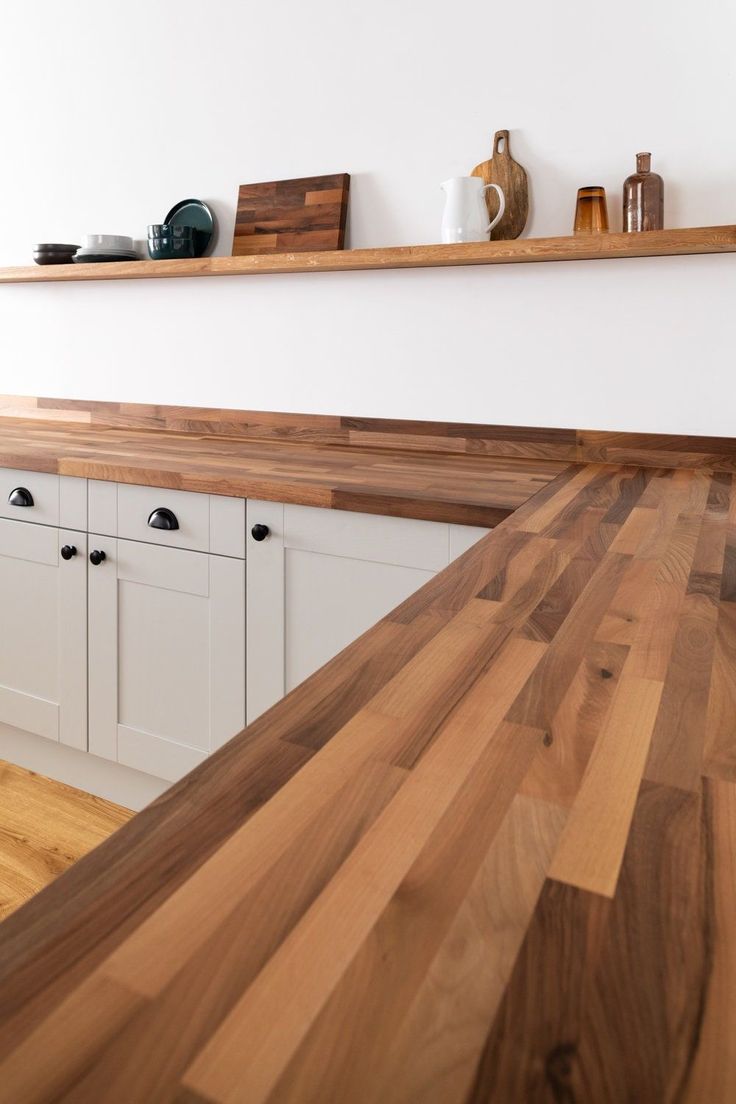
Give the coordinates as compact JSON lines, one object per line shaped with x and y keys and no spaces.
{"x":488,"y":853}
{"x":44,"y":828}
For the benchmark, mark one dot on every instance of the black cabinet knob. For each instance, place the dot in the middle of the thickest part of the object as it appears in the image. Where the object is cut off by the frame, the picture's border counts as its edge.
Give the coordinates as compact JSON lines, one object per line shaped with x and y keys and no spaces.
{"x":163,"y":518}
{"x":96,"y":557}
{"x":68,"y":551}
{"x":20,"y":496}
{"x":259,"y":532}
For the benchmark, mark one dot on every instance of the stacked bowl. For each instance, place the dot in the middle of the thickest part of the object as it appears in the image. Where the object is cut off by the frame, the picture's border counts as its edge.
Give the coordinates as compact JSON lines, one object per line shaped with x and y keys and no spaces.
{"x":168,"y":242}
{"x":105,"y":247}
{"x":186,"y":231}
{"x":48,"y":253}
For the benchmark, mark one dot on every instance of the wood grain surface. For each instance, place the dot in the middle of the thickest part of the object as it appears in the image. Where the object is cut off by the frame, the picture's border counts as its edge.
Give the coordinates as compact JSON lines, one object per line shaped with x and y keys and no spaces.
{"x":292,"y":216}
{"x":488,"y":853}
{"x":467,"y":489}
{"x":395,"y":434}
{"x":653,"y":243}
{"x":45,"y":826}
{"x":511,"y":178}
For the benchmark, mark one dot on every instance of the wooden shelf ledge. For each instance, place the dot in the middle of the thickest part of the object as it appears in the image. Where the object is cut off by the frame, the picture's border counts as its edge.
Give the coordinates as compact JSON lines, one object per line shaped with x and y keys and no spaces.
{"x":653,"y":243}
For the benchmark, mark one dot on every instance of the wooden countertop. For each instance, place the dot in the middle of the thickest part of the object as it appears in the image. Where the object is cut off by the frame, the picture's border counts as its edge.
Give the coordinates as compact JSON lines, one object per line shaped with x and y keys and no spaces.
{"x":488,"y":853}
{"x":473,"y":490}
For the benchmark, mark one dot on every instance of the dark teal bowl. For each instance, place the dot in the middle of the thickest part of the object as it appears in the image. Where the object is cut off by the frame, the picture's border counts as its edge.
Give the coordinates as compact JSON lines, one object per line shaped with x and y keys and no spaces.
{"x":163,"y":230}
{"x":171,"y":249}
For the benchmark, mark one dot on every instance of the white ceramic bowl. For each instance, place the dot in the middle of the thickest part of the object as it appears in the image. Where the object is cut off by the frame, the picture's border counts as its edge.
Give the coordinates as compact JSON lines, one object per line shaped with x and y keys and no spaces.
{"x":102,"y":243}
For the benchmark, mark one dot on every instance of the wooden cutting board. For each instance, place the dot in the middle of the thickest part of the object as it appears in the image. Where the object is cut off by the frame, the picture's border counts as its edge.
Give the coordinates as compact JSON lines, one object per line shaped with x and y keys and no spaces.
{"x":512,"y":179}
{"x":292,"y":216}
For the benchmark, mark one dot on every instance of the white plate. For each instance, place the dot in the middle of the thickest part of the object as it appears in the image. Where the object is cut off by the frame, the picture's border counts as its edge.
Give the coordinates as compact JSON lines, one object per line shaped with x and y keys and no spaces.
{"x":108,"y":252}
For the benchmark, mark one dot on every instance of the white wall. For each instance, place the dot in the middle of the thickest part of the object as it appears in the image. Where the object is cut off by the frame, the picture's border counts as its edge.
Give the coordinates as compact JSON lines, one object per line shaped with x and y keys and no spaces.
{"x":111,"y":113}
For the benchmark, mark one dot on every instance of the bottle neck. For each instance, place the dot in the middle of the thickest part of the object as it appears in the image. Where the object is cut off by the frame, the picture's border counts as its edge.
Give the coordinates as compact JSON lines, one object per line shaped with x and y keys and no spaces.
{"x":643,"y":162}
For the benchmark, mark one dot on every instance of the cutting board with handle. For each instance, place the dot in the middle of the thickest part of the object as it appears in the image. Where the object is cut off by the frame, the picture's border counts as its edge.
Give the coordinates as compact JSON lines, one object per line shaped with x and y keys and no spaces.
{"x":512,"y":179}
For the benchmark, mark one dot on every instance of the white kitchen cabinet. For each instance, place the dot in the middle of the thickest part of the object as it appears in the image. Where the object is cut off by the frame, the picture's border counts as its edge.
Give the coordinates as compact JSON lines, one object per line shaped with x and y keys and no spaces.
{"x":140,"y":657}
{"x":166,"y":654}
{"x":43,"y":642}
{"x":319,"y":578}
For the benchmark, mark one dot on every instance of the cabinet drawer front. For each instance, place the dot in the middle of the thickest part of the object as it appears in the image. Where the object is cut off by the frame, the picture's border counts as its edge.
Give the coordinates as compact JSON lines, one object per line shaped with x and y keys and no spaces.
{"x":207,"y":523}
{"x":43,"y":489}
{"x":404,"y":542}
{"x":192,"y":512}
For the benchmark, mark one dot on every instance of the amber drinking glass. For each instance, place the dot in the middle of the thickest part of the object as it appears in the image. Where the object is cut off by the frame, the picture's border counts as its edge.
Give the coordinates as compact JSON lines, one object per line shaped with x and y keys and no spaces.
{"x":591,"y":211}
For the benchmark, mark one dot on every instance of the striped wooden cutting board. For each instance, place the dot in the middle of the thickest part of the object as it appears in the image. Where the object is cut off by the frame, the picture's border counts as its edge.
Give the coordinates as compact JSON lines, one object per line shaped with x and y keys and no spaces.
{"x":292,"y":216}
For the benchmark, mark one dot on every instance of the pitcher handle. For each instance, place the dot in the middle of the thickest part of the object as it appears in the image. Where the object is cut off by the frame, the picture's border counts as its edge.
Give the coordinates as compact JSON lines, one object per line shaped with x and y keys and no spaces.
{"x":501,"y":206}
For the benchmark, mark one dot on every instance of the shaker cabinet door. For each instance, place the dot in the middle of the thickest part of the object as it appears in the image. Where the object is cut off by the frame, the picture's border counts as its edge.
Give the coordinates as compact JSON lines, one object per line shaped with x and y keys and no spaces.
{"x":320,"y":579}
{"x":43,"y":642}
{"x":167,"y":655}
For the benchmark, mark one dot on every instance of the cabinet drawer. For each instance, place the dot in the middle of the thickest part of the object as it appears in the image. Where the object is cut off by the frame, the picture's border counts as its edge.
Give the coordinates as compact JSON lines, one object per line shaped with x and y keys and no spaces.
{"x":204,"y":523}
{"x":138,"y":507}
{"x":43,"y":489}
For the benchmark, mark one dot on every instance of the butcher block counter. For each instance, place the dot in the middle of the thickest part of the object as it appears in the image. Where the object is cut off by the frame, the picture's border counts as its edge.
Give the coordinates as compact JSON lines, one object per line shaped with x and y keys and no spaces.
{"x":487,"y":853}
{"x":470,"y":488}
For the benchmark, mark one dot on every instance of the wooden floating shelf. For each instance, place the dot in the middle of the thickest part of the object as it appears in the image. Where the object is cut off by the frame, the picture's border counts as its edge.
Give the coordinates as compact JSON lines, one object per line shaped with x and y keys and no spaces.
{"x":652,"y":243}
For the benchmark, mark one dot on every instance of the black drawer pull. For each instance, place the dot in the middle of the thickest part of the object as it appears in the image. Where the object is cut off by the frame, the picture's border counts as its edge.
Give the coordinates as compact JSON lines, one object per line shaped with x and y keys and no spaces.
{"x":68,"y":551}
{"x":259,"y":532}
{"x":163,"y":518}
{"x":20,"y":496}
{"x":96,"y":557}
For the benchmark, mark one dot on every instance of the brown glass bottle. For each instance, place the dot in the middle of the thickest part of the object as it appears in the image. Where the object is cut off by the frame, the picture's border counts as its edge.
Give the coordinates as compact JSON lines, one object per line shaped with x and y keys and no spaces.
{"x":643,"y":197}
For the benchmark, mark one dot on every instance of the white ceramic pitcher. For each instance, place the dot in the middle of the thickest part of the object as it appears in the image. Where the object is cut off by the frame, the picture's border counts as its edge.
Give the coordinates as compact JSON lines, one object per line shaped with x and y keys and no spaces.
{"x":465,"y":217}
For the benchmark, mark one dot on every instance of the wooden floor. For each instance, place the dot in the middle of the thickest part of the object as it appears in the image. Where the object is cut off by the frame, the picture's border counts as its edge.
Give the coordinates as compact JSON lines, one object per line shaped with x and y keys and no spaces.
{"x":44,"y":828}
{"x":486,"y":854}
